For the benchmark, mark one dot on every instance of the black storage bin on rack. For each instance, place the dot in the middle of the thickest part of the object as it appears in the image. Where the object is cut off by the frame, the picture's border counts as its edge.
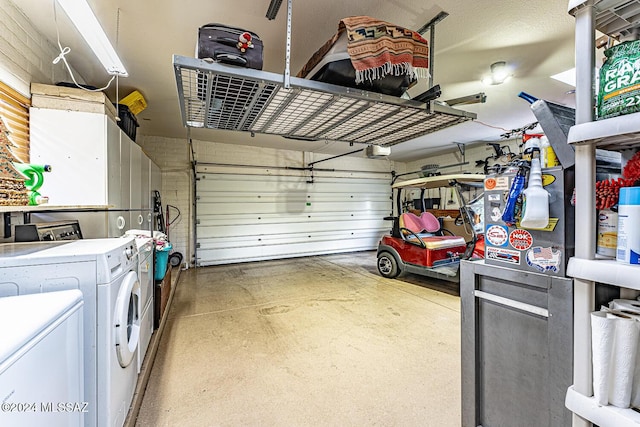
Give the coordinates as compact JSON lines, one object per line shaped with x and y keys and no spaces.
{"x":127,"y":122}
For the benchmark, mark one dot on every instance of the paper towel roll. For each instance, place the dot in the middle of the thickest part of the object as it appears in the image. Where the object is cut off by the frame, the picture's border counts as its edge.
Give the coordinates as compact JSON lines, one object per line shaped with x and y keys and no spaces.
{"x":625,"y":347}
{"x":635,"y":389}
{"x":602,"y":337}
{"x":625,"y":304}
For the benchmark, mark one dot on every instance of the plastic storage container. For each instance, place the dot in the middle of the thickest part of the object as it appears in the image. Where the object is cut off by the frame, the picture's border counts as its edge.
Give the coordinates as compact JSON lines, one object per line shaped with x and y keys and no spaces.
{"x":135,"y":101}
{"x":127,"y":122}
{"x":162,"y":259}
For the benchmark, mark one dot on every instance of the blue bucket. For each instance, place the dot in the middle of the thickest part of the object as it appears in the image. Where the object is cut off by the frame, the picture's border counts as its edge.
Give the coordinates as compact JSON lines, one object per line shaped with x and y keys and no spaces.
{"x":162,"y":259}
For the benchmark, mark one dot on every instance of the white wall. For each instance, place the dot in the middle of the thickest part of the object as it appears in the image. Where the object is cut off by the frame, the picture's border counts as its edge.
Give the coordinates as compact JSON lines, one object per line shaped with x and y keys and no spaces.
{"x":25,"y":55}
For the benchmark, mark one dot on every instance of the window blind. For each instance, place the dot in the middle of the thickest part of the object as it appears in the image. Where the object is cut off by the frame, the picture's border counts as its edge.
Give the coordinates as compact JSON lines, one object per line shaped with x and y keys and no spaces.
{"x":14,"y":110}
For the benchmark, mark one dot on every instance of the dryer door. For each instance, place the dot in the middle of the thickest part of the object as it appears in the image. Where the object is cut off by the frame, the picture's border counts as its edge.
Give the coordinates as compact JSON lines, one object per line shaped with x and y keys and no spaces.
{"x":127,"y":319}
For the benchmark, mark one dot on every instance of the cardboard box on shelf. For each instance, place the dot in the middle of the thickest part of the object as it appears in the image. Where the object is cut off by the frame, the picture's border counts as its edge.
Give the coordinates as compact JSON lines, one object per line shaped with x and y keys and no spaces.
{"x":73,"y":99}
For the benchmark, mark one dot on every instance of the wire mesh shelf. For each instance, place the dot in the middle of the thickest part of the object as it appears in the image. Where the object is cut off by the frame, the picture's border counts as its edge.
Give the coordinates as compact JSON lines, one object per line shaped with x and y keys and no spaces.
{"x":617,"y":18}
{"x":216,"y":96}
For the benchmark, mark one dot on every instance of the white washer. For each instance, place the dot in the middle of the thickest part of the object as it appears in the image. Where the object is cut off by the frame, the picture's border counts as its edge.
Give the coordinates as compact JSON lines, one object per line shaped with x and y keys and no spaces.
{"x":145,"y":247}
{"x":41,"y":360}
{"x":100,"y":268}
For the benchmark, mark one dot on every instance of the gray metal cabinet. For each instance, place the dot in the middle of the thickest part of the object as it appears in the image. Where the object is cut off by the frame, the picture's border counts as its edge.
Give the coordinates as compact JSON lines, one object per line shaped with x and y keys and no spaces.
{"x":516,"y":347}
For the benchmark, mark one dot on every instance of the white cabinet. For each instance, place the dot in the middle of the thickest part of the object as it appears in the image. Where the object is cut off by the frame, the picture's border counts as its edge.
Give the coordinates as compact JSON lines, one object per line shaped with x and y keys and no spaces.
{"x":84,"y":151}
{"x":618,"y":133}
{"x":93,"y":163}
{"x":80,"y":149}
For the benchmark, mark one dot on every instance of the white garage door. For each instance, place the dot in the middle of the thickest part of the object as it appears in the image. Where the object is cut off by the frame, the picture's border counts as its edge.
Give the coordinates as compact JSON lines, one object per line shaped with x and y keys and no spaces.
{"x":257,"y":217}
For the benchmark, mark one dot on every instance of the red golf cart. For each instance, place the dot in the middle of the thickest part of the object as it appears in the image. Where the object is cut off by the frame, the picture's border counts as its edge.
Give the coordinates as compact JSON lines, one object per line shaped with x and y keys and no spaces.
{"x":419,"y":243}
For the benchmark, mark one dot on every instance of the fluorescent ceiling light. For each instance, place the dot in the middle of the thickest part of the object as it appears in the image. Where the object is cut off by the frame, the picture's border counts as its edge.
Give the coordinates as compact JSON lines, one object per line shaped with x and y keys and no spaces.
{"x":568,"y":77}
{"x":87,"y":24}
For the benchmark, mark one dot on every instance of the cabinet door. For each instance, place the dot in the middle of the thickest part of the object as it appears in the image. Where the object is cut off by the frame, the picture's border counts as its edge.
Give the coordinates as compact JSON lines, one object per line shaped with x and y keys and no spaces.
{"x":145,"y":191}
{"x":135,"y":191}
{"x":517,"y":349}
{"x":75,"y":145}
{"x":125,"y":171}
{"x":113,"y":165}
{"x":115,"y":218}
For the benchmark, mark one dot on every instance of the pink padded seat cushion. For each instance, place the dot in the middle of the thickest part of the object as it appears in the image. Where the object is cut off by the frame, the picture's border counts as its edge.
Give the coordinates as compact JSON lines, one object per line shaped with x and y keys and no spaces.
{"x":426,"y":222}
{"x":429,"y":222}
{"x":411,"y":222}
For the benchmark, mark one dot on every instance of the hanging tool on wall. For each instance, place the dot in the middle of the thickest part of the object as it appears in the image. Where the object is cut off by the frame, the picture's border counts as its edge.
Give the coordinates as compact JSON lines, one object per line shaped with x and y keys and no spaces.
{"x":157,"y":212}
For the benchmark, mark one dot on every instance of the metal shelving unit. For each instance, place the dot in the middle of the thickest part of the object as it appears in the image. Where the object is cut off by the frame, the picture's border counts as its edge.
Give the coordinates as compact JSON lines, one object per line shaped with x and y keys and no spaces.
{"x":218,"y":96}
{"x":616,"y":133}
{"x":615,"y":18}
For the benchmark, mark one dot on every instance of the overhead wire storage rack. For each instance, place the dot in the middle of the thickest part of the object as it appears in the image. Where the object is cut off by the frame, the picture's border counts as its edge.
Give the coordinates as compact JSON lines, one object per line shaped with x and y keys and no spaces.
{"x":217,"y":96}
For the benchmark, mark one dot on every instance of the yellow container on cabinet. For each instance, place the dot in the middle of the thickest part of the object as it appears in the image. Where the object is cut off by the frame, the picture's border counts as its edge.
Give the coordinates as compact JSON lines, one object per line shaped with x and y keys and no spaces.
{"x":135,"y":101}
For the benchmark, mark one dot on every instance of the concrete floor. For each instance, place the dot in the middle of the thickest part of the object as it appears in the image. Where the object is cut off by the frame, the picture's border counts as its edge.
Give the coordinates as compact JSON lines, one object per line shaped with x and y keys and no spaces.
{"x":310,"y":341}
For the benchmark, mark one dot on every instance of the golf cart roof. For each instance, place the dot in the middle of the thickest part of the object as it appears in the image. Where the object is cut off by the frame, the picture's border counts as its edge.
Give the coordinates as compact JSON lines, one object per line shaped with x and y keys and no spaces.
{"x":440,"y":181}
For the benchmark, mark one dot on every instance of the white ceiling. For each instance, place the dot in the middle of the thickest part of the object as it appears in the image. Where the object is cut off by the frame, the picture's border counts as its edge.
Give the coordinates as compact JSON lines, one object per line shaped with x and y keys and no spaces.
{"x":534,"y":37}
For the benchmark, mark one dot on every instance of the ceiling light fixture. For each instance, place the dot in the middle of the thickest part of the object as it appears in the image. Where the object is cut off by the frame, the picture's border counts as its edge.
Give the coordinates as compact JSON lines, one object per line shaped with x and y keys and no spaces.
{"x":499,"y":74}
{"x":274,"y":6}
{"x":87,"y":24}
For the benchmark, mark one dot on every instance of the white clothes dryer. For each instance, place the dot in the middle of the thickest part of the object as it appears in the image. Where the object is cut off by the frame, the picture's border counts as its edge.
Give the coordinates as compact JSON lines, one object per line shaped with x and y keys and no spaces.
{"x":100,"y":268}
{"x":119,"y":307}
{"x":41,"y":365}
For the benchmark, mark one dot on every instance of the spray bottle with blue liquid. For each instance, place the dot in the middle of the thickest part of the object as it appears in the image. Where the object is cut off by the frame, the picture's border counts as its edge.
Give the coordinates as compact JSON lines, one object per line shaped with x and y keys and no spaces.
{"x":510,"y":212}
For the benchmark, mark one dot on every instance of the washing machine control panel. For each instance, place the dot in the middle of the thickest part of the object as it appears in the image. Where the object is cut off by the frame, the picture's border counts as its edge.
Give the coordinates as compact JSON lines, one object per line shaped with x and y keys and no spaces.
{"x":122,"y":257}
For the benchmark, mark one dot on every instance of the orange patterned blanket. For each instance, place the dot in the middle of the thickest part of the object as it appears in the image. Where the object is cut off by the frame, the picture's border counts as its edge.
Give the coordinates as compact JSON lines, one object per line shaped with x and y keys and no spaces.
{"x":377,"y":49}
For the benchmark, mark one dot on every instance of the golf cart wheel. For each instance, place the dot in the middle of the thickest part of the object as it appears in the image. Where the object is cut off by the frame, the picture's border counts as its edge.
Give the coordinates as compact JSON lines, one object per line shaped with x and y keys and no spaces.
{"x":387,"y":265}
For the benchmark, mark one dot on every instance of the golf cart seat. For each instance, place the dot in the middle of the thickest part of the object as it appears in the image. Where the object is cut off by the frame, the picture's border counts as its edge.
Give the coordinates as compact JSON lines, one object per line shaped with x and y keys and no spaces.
{"x":424,"y":225}
{"x":425,"y":229}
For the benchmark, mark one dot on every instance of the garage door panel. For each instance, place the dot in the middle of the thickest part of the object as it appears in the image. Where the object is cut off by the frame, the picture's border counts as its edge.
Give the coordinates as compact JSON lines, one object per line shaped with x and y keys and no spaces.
{"x":276,"y":184}
{"x":252,"y":197}
{"x":343,"y":236}
{"x":253,"y":217}
{"x":289,"y":207}
{"x":232,"y":254}
{"x":295,"y":227}
{"x":239,"y":219}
